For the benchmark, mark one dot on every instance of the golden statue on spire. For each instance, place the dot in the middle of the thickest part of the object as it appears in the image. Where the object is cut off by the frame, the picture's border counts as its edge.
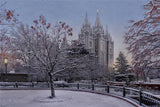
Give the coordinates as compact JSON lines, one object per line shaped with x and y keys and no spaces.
{"x":97,"y":10}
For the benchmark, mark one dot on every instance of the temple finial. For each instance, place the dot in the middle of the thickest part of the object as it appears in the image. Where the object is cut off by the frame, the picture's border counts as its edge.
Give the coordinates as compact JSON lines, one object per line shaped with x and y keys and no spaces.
{"x":97,"y":10}
{"x":97,"y":23}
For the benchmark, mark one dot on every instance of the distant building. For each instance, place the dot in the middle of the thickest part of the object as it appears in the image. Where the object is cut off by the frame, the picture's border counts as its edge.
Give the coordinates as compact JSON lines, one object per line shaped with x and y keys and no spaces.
{"x":99,"y":42}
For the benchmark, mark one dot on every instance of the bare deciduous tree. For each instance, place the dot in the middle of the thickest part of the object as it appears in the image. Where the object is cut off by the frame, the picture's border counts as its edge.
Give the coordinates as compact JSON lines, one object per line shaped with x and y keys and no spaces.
{"x":7,"y":20}
{"x":40,"y":47}
{"x":143,"y":39}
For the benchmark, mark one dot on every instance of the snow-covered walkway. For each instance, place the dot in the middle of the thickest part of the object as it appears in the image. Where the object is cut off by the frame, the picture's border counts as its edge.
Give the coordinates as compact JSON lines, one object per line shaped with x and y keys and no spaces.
{"x":38,"y":98}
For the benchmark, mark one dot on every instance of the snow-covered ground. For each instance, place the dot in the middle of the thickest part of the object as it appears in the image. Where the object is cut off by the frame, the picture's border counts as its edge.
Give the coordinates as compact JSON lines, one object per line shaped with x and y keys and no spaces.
{"x":39,"y":98}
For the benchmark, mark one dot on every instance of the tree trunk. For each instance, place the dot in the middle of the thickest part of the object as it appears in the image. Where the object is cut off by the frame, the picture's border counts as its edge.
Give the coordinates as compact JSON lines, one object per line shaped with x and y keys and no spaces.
{"x":137,"y":76}
{"x":52,"y":86}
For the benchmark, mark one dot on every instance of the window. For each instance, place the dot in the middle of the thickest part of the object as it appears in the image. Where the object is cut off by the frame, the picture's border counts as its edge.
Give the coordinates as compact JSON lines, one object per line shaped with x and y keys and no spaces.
{"x":90,"y":44}
{"x":101,"y":46}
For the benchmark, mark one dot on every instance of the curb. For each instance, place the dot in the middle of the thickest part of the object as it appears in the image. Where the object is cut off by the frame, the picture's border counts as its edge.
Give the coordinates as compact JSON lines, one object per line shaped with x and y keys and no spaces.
{"x":121,"y":98}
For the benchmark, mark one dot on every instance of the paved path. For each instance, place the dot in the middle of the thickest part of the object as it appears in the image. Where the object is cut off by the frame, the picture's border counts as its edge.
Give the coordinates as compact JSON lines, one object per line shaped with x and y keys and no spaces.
{"x":38,"y":98}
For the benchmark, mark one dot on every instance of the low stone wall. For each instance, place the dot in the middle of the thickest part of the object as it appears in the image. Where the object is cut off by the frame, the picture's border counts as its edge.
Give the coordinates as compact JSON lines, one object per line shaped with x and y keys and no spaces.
{"x":14,"y":77}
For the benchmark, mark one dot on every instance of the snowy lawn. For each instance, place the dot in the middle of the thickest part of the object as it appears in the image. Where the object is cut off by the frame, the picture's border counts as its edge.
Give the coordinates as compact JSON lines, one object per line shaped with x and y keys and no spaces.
{"x":39,"y":98}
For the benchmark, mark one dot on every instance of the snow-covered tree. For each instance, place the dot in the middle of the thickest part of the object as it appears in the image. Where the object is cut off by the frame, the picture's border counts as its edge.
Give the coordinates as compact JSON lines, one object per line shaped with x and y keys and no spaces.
{"x":7,"y":20}
{"x":85,"y":63}
{"x":40,"y":47}
{"x":77,"y":60}
{"x":121,"y":63}
{"x":143,"y":39}
{"x":92,"y":68}
{"x":7,"y":16}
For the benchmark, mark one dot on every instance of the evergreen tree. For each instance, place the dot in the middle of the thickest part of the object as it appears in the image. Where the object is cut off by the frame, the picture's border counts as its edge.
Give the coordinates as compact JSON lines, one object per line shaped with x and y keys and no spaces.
{"x":121,"y":63}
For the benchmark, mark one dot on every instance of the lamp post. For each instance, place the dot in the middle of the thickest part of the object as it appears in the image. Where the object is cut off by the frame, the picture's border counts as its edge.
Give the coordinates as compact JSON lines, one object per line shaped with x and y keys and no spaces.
{"x":6,"y":62}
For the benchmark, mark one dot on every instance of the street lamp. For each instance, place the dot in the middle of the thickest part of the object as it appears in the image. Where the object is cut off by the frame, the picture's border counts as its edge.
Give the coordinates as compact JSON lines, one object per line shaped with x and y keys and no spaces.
{"x":5,"y":62}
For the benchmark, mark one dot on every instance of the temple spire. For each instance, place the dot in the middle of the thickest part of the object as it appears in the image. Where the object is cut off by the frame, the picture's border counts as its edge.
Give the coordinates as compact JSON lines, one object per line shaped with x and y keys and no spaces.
{"x":107,"y":34}
{"x":86,"y":20}
{"x":107,"y":29}
{"x":97,"y":23}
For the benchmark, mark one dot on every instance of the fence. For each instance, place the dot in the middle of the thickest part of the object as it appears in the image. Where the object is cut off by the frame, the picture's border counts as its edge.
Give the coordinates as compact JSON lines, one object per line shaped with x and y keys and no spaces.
{"x":139,"y":96}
